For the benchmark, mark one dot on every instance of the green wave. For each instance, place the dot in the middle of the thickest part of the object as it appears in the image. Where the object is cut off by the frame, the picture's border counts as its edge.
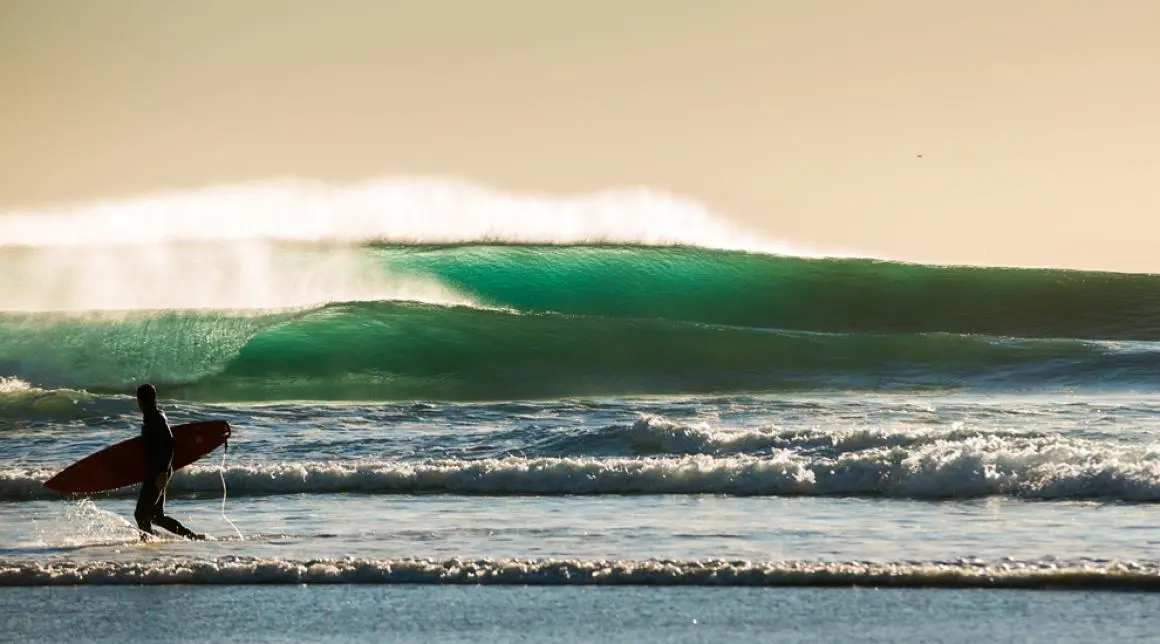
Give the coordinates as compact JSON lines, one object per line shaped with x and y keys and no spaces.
{"x":374,"y":350}
{"x":400,"y":351}
{"x":770,"y":291}
{"x":617,"y":320}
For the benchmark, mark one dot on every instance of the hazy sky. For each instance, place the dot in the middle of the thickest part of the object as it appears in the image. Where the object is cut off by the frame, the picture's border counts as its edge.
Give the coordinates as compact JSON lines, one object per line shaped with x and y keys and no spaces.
{"x":1037,"y":121}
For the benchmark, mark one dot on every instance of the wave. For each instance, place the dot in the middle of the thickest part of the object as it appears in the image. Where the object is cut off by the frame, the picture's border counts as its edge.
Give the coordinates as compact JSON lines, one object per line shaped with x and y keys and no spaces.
{"x":295,"y":243}
{"x":768,"y":291}
{"x":405,"y":351}
{"x":428,"y":289}
{"x":958,"y":467}
{"x":657,"y":436}
{"x":685,"y":284}
{"x":20,"y":400}
{"x":1082,"y":574}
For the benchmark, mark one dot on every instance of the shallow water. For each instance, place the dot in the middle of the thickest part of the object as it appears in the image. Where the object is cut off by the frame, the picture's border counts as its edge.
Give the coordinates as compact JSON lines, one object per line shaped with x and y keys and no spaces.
{"x":513,"y":614}
{"x":839,"y":477}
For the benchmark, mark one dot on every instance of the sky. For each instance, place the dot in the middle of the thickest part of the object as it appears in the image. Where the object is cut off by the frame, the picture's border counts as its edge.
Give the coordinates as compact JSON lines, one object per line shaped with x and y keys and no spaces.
{"x":1013,"y":132}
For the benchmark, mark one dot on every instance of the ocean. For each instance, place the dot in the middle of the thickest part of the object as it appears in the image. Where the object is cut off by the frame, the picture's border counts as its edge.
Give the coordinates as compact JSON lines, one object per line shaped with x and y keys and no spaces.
{"x":460,"y":415}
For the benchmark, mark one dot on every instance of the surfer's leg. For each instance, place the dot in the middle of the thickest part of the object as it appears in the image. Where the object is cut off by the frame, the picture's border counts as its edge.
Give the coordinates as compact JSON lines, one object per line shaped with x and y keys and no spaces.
{"x":145,"y":510}
{"x":169,"y":523}
{"x":174,"y":526}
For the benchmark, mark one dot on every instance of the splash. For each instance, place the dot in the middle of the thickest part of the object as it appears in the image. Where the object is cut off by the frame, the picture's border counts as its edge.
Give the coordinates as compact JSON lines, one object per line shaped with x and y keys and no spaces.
{"x":295,"y":243}
{"x":236,"y":276}
{"x":396,"y":210}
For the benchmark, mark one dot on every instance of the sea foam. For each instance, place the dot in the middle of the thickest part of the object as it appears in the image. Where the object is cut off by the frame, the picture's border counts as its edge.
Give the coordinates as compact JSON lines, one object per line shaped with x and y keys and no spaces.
{"x":1033,"y":467}
{"x":966,"y":573}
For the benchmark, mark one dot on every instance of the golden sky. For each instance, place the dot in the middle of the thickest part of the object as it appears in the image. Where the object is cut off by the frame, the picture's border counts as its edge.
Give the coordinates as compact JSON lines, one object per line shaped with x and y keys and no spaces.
{"x":1037,"y":121}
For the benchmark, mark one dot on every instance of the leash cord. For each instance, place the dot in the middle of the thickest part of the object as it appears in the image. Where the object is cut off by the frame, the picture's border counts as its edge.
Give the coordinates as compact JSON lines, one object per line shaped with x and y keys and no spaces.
{"x":222,"y":474}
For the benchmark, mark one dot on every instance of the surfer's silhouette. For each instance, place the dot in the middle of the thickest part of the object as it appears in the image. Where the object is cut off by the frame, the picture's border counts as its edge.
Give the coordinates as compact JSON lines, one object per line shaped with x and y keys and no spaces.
{"x":159,"y":452}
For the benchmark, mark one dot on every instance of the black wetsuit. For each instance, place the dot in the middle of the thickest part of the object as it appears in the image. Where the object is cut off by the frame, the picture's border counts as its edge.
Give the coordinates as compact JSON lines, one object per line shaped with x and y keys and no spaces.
{"x":159,"y":452}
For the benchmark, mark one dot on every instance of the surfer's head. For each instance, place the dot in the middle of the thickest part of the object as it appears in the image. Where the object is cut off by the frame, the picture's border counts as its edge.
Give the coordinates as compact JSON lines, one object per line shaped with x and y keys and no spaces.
{"x":147,"y":396}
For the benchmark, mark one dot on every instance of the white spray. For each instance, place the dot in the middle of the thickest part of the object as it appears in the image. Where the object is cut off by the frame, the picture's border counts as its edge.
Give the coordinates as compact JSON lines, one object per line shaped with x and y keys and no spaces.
{"x":297,"y":243}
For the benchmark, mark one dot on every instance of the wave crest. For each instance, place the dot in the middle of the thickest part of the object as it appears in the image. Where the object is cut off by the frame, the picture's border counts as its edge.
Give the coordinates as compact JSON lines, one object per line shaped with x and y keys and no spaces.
{"x":403,"y":210}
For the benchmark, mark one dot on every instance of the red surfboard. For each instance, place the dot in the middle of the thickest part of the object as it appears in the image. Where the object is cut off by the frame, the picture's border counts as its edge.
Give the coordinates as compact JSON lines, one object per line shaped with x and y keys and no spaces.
{"x":124,"y":464}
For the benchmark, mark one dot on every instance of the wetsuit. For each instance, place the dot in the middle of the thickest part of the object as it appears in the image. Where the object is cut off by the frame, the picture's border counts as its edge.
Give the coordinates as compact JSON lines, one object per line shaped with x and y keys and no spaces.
{"x":159,"y":454}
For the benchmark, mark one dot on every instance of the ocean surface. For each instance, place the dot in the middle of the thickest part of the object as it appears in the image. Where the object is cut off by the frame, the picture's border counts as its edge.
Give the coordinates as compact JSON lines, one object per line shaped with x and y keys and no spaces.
{"x":630,"y":419}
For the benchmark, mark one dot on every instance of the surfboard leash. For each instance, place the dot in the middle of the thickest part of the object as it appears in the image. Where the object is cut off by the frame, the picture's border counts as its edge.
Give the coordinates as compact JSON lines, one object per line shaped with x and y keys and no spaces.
{"x":222,"y":474}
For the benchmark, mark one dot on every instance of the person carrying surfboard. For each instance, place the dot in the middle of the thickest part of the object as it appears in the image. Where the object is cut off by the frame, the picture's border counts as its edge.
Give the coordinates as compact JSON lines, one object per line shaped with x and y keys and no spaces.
{"x":159,"y":454}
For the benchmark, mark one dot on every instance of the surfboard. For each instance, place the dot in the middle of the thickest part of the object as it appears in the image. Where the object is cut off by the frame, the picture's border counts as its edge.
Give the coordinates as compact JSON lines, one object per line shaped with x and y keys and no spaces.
{"x":123,"y":464}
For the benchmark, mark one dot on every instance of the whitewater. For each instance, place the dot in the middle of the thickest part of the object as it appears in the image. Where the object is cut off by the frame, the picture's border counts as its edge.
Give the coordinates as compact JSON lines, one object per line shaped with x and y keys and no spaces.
{"x":440,"y":384}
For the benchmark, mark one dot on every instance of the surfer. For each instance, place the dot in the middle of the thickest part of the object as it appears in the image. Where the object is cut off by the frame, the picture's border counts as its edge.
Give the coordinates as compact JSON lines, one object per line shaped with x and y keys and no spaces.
{"x":159,"y":452}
